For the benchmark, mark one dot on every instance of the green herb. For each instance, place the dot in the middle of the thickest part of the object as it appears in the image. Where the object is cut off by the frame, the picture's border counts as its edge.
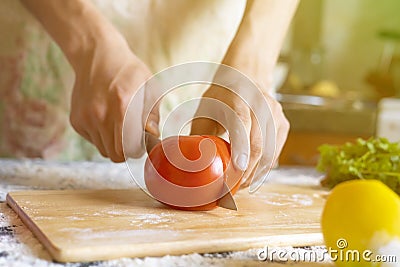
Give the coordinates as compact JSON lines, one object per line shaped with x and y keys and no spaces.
{"x":375,"y":158}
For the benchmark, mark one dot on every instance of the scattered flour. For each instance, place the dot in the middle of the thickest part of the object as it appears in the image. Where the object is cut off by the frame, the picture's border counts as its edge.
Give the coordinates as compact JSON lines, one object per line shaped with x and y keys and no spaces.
{"x":294,"y":200}
{"x":19,"y":248}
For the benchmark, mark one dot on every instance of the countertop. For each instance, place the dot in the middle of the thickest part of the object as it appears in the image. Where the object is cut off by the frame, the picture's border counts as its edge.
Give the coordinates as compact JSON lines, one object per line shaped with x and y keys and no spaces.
{"x":18,"y":247}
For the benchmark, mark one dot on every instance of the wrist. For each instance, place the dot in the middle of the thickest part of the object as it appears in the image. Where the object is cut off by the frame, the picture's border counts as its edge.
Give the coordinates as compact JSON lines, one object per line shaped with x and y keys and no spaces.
{"x":90,"y":41}
{"x":252,"y":63}
{"x":85,"y":34}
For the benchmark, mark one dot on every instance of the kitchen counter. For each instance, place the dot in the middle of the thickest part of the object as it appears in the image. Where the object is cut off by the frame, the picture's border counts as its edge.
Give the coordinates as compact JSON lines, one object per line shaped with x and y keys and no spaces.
{"x":317,"y":120}
{"x":18,"y":247}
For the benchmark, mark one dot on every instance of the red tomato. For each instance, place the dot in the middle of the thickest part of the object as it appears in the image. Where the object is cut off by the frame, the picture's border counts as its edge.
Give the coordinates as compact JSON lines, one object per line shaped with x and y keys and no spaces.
{"x":188,"y":172}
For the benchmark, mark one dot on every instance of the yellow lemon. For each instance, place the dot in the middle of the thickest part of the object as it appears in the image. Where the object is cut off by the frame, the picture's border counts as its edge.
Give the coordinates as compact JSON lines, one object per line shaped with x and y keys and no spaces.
{"x":325,"y":88}
{"x":361,"y":224}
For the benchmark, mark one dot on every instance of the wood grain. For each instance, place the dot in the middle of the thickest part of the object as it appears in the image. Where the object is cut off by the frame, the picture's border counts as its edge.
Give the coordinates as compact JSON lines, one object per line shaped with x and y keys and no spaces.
{"x":87,"y":225}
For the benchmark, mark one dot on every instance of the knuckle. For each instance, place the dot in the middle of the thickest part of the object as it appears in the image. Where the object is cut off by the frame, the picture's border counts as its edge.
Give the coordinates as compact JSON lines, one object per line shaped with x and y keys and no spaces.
{"x":119,"y":101}
{"x":256,"y":146}
{"x":284,"y":126}
{"x":76,"y":122}
{"x":256,"y":149}
{"x":241,"y":115}
{"x":73,"y":119}
{"x":95,"y":113}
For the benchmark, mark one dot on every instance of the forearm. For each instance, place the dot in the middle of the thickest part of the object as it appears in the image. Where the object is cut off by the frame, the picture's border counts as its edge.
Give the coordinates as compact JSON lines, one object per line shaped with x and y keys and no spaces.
{"x":75,"y":25}
{"x":257,"y":44}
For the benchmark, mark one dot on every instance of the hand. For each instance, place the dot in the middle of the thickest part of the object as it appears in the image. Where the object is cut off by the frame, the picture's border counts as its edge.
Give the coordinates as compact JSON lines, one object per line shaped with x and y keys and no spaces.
{"x":253,"y":51}
{"x":253,"y":136}
{"x":106,"y":79}
{"x":107,"y":74}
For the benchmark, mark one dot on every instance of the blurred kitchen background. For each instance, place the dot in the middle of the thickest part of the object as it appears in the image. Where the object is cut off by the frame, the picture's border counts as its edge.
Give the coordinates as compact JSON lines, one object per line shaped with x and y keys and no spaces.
{"x":338,"y":76}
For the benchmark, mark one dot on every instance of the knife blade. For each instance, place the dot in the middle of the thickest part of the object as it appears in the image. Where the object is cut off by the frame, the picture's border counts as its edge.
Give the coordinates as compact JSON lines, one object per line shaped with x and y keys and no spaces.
{"x":227,"y":201}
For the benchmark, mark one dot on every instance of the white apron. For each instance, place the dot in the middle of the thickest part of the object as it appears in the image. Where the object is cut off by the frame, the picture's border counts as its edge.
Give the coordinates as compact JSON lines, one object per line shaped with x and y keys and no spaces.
{"x":36,"y":80}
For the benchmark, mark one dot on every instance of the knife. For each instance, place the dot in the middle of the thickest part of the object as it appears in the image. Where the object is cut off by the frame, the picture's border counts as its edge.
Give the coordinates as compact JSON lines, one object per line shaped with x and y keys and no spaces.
{"x":225,"y":201}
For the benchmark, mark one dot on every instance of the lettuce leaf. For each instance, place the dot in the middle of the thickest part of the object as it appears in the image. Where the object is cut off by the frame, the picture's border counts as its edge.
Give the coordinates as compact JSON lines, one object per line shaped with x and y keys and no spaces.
{"x":375,"y":158}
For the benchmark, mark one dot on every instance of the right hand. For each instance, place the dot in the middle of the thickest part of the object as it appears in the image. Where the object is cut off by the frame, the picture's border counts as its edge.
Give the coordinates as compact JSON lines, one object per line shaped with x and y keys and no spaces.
{"x":107,"y":76}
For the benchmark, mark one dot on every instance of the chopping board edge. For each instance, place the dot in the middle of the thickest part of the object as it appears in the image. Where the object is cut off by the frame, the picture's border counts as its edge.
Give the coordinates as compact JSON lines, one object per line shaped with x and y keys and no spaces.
{"x":84,"y":254}
{"x":54,"y":251}
{"x":147,"y":250}
{"x":164,"y":249}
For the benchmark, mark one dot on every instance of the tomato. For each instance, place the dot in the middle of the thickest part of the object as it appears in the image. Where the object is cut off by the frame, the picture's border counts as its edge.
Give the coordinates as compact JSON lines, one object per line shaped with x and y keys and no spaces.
{"x":189,"y":172}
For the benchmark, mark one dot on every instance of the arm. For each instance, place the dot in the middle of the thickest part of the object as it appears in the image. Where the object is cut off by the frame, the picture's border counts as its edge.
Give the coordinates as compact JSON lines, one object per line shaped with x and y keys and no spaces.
{"x":258,"y":42}
{"x":107,"y":74}
{"x":254,"y":52}
{"x":75,"y":25}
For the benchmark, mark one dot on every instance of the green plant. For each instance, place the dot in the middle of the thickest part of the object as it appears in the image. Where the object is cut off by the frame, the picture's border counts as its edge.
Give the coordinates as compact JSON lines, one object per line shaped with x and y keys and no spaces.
{"x":375,"y":158}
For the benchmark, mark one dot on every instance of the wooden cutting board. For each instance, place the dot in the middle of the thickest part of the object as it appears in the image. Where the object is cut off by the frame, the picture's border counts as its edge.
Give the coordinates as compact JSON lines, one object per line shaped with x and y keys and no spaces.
{"x":87,"y":225}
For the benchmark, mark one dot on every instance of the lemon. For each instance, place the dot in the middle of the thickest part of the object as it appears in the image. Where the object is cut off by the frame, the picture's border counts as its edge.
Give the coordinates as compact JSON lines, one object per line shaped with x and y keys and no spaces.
{"x":325,"y":88}
{"x":361,"y":222}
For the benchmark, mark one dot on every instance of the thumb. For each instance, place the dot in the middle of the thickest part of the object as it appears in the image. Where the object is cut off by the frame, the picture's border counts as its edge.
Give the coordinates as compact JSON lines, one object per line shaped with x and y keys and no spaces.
{"x":153,"y":120}
{"x":151,"y":109}
{"x":131,"y":133}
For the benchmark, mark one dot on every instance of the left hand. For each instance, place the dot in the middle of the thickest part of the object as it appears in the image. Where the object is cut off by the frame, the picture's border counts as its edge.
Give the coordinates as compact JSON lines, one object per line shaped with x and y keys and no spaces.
{"x":253,"y":51}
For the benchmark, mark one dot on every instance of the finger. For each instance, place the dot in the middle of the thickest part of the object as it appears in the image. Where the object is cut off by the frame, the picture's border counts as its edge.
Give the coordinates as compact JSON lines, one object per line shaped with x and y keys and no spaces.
{"x":202,"y":125}
{"x":109,"y":137}
{"x":272,"y":146}
{"x":239,"y":135}
{"x":84,"y":134}
{"x":133,"y":118}
{"x":119,"y":151}
{"x":279,"y":122}
{"x":256,"y":148}
{"x":269,"y":161}
{"x":109,"y":146}
{"x":93,"y":138}
{"x":97,"y":141}
{"x":151,"y":106}
{"x":75,"y":122}
{"x":153,"y":120}
{"x":283,"y":131}
{"x":132,"y":141}
{"x":246,"y":181}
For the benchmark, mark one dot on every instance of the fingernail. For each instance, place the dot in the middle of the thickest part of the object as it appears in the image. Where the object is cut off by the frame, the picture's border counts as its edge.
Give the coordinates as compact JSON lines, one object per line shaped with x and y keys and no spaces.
{"x":241,"y":162}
